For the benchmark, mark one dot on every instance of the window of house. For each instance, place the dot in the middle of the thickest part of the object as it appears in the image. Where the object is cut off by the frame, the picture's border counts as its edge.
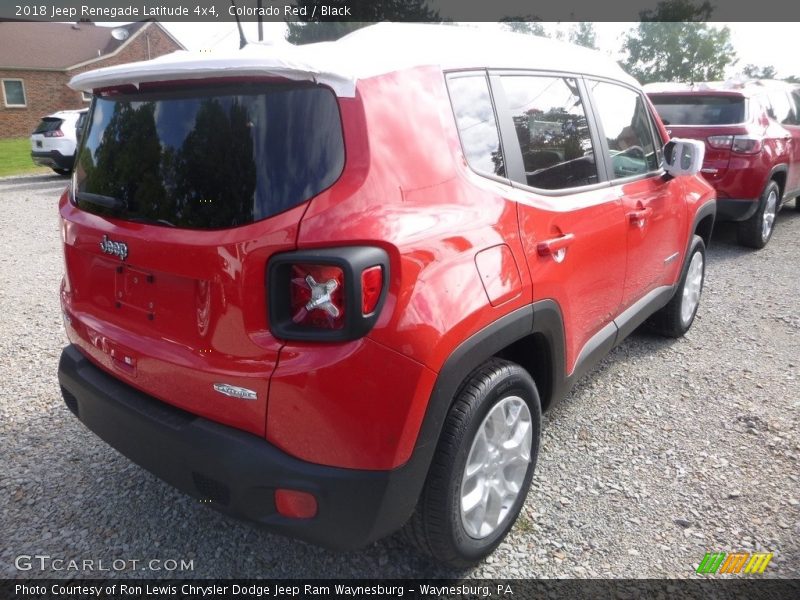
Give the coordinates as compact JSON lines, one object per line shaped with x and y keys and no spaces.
{"x":477,"y":125}
{"x":552,"y":131}
{"x":14,"y":92}
{"x":626,"y":124}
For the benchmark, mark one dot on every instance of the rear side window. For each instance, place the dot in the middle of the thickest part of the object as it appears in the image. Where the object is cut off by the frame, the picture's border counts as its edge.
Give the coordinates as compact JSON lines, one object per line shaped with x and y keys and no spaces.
{"x":696,"y":109}
{"x":212,"y":158}
{"x":477,"y":126}
{"x":626,"y":125}
{"x":552,"y":131}
{"x":780,"y":107}
{"x":48,"y":124}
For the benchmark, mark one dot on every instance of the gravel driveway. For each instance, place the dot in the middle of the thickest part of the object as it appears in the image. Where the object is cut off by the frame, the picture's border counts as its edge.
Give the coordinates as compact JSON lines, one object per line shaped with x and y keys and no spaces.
{"x":668,"y":450}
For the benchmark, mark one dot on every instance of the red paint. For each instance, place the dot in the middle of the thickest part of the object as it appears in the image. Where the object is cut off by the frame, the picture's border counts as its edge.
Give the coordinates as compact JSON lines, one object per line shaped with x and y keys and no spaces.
{"x":463,"y":252}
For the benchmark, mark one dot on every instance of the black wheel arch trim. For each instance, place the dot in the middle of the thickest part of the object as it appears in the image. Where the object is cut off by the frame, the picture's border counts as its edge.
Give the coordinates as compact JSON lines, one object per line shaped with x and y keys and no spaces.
{"x":542,"y":317}
{"x":707,"y":209}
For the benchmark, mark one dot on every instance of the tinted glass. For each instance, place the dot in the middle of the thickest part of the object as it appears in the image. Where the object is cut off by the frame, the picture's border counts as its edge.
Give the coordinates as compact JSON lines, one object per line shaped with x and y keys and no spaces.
{"x":476,"y":123}
{"x":210,"y":159}
{"x":15,"y":93}
{"x":552,"y":131}
{"x":48,"y":124}
{"x":699,"y":110}
{"x":795,"y":97}
{"x":626,"y":122}
{"x":780,"y":108}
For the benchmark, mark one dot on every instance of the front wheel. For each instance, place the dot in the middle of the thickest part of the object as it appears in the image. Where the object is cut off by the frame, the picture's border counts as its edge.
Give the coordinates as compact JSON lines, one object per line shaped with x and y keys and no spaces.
{"x":756,"y":231}
{"x":675,"y":319}
{"x":482,"y":468}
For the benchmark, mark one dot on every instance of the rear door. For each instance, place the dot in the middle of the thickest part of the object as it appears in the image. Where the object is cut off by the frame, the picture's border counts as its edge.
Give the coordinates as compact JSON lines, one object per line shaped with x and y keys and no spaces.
{"x":712,"y":118}
{"x":46,"y":134}
{"x":571,"y":221}
{"x":181,"y":198}
{"x":655,"y":213}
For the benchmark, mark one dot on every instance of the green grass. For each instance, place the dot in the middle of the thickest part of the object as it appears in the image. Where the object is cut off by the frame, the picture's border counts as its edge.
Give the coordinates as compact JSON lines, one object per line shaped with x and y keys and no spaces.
{"x":15,"y":158}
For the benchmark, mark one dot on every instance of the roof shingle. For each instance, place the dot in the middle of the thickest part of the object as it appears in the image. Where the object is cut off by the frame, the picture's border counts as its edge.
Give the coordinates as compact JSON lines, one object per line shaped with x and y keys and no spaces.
{"x":56,"y":46}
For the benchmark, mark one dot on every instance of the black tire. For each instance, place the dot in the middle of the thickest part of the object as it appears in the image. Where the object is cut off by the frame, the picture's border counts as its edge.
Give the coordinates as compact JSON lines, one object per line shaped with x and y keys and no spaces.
{"x":436,"y":527}
{"x":797,"y":204}
{"x":63,"y":172}
{"x":753,"y":232}
{"x":671,"y":321}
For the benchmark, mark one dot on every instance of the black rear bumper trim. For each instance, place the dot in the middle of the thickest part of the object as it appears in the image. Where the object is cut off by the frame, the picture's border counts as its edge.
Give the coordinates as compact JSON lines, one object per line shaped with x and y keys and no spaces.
{"x":235,"y":471}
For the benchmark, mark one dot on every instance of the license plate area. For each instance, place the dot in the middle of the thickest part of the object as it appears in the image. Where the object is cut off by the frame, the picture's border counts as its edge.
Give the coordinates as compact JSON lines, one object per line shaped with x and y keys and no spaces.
{"x":38,"y":143}
{"x":135,"y":290}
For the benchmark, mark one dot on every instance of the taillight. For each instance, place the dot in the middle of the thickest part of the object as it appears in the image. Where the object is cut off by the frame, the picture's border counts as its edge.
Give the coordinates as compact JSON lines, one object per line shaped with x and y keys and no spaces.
{"x":720,"y":141}
{"x":333,"y":294}
{"x":317,"y":296}
{"x":371,"y":287}
{"x":746,"y":144}
{"x":54,"y":133}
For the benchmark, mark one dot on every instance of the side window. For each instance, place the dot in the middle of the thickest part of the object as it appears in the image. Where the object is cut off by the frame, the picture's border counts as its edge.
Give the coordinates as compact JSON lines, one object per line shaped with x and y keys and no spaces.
{"x":476,"y":123}
{"x":780,"y":108}
{"x":628,"y":135}
{"x":552,"y":131}
{"x":795,"y":96}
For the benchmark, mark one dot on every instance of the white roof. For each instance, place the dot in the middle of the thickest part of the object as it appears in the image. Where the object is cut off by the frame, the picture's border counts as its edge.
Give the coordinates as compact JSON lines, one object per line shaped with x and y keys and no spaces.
{"x":368,"y":52}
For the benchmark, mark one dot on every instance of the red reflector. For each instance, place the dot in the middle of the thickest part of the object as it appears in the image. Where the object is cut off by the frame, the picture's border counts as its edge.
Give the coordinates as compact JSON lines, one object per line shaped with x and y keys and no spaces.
{"x":295,"y":505}
{"x":317,"y":296}
{"x":371,"y":286}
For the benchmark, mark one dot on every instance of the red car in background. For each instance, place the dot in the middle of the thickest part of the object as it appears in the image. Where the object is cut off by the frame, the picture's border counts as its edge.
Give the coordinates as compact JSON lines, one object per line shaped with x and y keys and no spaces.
{"x":752,"y":135}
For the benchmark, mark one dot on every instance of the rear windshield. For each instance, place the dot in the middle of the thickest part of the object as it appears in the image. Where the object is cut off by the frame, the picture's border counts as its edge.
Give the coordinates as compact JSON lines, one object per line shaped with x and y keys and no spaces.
{"x":209,"y":159}
{"x":48,"y":124}
{"x":699,"y":110}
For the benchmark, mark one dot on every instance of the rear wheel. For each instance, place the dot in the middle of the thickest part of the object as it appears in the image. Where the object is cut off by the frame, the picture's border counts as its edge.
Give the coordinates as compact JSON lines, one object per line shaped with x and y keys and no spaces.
{"x":483,"y":466}
{"x":675,"y":319}
{"x":756,"y":231}
{"x":62,"y":172}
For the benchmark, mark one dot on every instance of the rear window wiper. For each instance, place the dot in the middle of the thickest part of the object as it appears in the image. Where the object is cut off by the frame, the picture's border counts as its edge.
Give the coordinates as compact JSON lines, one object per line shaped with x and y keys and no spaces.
{"x":150,"y":221}
{"x":100,"y":200}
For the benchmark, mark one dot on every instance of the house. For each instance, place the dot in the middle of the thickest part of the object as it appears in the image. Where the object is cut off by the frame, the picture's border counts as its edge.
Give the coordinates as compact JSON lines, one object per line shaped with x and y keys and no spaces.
{"x":38,"y":59}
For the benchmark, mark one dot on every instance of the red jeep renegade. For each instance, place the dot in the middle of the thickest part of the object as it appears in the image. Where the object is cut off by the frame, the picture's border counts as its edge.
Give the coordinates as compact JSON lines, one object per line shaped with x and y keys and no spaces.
{"x":331,"y":288}
{"x":752,"y":137}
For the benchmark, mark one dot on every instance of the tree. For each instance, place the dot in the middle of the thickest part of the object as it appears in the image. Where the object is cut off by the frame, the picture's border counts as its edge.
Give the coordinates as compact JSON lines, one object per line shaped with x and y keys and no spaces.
{"x":583,"y":34}
{"x":752,"y":71}
{"x":673,"y":43}
{"x":532,"y":26}
{"x":326,"y":29}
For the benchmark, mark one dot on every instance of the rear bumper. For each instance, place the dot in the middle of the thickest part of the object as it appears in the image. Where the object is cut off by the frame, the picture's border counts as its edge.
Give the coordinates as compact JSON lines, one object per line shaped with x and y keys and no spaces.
{"x":53,"y":159}
{"x":237,"y":471}
{"x":736,"y":210}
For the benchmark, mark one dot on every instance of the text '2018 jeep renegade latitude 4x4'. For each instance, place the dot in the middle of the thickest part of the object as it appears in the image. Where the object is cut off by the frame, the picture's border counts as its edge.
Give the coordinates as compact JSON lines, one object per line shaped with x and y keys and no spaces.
{"x":331,"y":288}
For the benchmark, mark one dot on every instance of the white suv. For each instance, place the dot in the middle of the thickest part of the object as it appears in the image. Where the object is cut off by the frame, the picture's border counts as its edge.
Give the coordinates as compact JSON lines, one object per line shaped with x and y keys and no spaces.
{"x":54,"y":141}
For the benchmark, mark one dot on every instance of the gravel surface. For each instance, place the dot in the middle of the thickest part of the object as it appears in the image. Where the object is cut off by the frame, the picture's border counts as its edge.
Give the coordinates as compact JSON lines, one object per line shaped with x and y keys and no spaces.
{"x":669,"y":449}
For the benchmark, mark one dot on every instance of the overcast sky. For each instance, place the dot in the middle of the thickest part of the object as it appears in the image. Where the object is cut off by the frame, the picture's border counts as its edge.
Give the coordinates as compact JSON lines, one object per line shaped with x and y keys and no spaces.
{"x":762,"y":44}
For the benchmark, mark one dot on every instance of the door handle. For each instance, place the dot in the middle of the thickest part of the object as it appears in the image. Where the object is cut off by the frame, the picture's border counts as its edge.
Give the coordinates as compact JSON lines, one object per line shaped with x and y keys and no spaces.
{"x":638,"y":217}
{"x":556,"y":248}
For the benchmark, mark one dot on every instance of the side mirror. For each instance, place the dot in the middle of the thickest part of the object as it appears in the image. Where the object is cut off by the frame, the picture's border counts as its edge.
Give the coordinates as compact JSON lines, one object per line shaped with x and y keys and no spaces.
{"x":683,"y":157}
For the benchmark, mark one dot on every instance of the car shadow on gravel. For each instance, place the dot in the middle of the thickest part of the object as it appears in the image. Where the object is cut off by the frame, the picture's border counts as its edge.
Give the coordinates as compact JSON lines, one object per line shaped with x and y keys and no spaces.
{"x":19,"y":179}
{"x":724,"y":244}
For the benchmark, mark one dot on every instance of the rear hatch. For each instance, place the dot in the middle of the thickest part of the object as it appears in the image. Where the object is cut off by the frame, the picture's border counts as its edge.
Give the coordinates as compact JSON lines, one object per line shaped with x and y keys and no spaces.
{"x":179,"y":199}
{"x":47,"y":135}
{"x":703,"y":116}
